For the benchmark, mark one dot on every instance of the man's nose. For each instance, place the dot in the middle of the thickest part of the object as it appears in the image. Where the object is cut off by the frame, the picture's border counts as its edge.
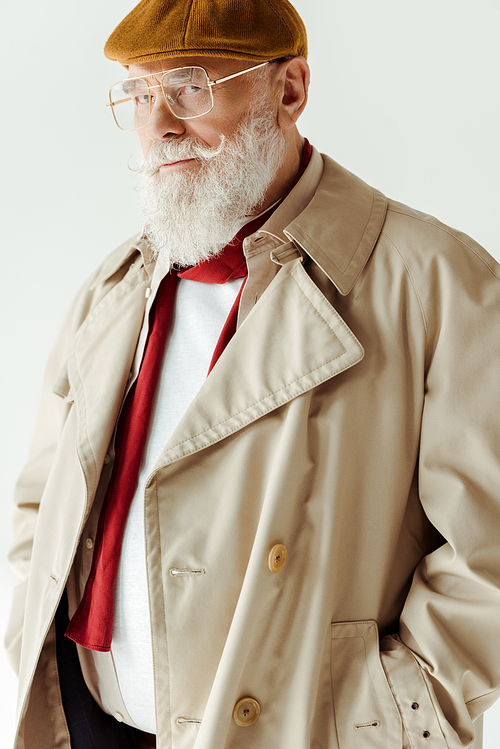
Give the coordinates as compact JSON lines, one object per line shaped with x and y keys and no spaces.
{"x":162,"y":123}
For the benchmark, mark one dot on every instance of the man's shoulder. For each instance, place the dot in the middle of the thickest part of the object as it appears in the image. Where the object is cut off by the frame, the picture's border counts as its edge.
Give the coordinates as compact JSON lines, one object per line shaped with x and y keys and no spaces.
{"x":113,"y":268}
{"x":119,"y":259}
{"x":358,"y":222}
{"x":423,"y":241}
{"x":107,"y":275}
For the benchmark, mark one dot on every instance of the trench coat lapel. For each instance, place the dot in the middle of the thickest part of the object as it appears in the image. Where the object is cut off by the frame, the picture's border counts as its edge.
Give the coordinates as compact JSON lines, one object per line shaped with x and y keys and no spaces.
{"x":99,"y":368}
{"x":292,"y":341}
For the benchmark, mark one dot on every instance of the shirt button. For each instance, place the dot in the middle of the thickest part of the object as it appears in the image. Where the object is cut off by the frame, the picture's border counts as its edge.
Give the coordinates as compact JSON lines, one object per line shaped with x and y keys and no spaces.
{"x":277,"y":558}
{"x":106,"y":459}
{"x":246,"y":711}
{"x":119,"y":717}
{"x":89,"y":543}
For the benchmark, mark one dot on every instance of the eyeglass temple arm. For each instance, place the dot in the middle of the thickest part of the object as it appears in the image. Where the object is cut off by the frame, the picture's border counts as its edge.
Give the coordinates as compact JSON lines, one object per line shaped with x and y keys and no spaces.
{"x":241,"y":72}
{"x":121,"y":101}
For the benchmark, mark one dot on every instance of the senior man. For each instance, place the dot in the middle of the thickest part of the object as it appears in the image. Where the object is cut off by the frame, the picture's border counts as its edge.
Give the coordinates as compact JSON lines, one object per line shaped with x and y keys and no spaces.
{"x":299,"y":550}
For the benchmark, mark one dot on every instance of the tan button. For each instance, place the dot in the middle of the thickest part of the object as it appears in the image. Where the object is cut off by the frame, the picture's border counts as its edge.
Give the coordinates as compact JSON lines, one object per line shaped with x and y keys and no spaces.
{"x":246,"y":711}
{"x":119,"y":717}
{"x":89,"y":543}
{"x":277,"y":558}
{"x":106,"y":458}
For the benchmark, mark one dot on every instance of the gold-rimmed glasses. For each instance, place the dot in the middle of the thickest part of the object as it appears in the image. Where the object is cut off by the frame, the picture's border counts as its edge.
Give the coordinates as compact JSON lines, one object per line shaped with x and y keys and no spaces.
{"x":187,"y":92}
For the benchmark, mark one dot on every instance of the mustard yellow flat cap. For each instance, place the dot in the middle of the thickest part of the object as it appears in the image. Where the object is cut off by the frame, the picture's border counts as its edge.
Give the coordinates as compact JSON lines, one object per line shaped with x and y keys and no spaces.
{"x":242,"y":29}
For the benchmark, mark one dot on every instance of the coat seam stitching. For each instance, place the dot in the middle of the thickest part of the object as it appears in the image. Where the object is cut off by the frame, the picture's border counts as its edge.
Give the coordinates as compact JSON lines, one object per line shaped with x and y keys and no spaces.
{"x":221,"y":423}
{"x":427,"y":690}
{"x":256,"y":403}
{"x":94,"y":460}
{"x":446,"y":231}
{"x":169,"y":707}
{"x":58,"y":690}
{"x":396,"y":702}
{"x":413,"y":284}
{"x":317,"y":312}
{"x":300,"y":269}
{"x":355,"y":253}
{"x":482,"y":696}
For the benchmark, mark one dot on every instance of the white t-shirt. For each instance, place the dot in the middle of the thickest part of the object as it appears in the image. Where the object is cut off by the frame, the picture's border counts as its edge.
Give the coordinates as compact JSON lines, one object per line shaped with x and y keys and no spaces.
{"x":200,"y":311}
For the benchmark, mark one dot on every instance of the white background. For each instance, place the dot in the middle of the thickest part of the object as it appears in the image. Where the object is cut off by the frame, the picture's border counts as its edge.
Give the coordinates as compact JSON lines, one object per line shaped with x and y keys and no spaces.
{"x":404,"y":92}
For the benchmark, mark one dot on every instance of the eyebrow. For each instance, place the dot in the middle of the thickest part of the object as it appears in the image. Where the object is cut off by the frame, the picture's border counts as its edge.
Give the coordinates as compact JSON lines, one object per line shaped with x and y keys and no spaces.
{"x":181,"y":76}
{"x":129,"y":85}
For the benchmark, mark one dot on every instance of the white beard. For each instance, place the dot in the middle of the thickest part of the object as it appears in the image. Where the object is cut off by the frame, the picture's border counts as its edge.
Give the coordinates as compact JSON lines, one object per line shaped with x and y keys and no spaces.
{"x":190,"y":216}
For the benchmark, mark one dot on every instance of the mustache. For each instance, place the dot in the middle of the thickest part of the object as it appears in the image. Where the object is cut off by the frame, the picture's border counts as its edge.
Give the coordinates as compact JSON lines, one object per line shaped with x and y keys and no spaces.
{"x":178,"y":150}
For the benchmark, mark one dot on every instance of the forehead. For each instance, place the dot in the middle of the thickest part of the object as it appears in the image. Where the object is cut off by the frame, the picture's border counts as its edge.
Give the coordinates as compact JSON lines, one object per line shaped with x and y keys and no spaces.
{"x":216,"y":67}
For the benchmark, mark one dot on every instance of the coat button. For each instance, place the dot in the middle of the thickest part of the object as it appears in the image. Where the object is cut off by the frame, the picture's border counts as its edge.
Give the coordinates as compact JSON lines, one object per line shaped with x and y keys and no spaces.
{"x":89,"y":543}
{"x":277,"y":558}
{"x":246,"y":711}
{"x":107,"y":459}
{"x":118,"y":717}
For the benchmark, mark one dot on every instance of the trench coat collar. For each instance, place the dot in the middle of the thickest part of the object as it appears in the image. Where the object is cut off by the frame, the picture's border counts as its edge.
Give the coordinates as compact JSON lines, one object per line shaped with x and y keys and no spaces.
{"x":356,"y":213}
{"x":342,"y":244}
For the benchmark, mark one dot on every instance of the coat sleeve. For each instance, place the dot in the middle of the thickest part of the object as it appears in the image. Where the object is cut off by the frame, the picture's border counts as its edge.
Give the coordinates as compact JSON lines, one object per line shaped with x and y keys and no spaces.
{"x":53,"y":409}
{"x":443,"y":666}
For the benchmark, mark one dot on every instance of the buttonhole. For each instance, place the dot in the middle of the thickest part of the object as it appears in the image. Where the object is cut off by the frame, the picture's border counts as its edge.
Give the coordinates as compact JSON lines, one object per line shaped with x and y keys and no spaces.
{"x":371,"y":724}
{"x":176,"y":571}
{"x":182,"y":721}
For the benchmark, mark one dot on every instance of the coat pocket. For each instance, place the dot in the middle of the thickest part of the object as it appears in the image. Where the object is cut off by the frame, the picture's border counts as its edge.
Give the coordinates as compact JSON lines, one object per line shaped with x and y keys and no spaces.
{"x":366,"y":714}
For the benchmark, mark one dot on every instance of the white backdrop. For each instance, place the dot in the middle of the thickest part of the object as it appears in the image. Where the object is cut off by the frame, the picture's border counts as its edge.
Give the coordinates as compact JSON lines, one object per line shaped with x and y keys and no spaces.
{"x":405,"y":94}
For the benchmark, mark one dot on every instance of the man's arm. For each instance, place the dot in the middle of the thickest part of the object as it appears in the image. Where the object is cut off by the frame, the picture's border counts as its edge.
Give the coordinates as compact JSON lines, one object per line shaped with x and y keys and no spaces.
{"x":52,"y":412}
{"x":447,"y":651}
{"x":54,"y":405}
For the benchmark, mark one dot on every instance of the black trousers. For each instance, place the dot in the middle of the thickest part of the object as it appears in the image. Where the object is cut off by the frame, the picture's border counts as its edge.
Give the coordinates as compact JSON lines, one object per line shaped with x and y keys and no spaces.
{"x":89,"y":726}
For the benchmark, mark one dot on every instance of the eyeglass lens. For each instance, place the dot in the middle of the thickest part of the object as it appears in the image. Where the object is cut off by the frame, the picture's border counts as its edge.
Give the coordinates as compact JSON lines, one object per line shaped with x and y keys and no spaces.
{"x":186,"y":90}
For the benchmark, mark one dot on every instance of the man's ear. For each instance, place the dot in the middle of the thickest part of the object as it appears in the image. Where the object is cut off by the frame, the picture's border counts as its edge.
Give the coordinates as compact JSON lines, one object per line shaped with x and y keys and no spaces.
{"x":294,"y":79}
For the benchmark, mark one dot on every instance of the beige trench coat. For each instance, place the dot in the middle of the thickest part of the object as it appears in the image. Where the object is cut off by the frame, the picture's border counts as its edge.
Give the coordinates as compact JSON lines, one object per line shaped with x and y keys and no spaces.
{"x":355,"y":419}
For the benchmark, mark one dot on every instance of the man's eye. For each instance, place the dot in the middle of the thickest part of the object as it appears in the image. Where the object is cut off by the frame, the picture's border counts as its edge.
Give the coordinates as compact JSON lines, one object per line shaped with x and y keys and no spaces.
{"x":142,"y":100}
{"x":188,"y":90}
